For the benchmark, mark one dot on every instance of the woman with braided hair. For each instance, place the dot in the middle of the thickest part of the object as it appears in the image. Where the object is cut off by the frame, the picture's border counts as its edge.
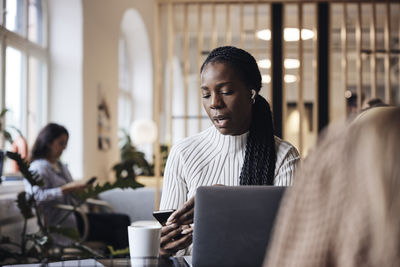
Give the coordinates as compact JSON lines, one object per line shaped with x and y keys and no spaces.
{"x":239,"y":149}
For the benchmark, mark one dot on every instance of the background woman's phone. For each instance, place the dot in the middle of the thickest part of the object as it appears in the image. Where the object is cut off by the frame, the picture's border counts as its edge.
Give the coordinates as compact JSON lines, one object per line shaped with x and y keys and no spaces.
{"x":162,"y":215}
{"x":91,"y":180}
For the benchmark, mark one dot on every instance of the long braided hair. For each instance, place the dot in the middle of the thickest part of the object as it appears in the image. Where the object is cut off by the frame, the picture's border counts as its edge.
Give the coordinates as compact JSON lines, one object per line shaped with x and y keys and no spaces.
{"x":259,"y":162}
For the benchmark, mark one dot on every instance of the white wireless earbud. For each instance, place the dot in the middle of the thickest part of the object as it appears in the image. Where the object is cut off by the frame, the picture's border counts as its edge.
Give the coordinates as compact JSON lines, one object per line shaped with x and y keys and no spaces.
{"x":253,"y":95}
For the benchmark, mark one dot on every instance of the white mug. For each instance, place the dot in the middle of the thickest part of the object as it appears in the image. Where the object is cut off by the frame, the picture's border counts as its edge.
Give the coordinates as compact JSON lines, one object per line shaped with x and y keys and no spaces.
{"x":144,"y":242}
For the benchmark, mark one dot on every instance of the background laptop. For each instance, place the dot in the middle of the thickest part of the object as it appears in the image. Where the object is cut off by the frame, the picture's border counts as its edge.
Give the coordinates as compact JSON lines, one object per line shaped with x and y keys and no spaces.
{"x":232,"y":225}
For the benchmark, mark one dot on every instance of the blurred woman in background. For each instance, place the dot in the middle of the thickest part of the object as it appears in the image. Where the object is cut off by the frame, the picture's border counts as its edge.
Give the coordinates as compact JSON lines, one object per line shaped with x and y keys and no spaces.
{"x":59,"y":188}
{"x":58,"y":184}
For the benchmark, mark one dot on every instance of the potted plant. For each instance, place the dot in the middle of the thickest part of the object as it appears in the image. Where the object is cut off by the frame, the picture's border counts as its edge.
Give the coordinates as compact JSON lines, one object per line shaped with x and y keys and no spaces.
{"x":39,"y":246}
{"x":5,"y":136}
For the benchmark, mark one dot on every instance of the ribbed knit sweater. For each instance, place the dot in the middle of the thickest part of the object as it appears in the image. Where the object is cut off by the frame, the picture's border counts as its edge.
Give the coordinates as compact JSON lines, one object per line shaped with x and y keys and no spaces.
{"x":209,"y":158}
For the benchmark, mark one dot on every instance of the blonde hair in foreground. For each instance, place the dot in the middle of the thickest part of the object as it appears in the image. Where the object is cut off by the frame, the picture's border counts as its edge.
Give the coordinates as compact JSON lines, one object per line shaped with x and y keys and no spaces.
{"x":344,"y":209}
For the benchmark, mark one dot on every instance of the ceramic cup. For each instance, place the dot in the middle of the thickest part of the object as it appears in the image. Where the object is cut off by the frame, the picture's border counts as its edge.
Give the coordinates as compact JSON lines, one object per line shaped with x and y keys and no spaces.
{"x":144,"y":243}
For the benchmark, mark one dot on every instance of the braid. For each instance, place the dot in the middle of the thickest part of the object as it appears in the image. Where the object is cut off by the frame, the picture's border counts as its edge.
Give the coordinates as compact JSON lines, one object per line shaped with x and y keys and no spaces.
{"x":259,"y":163}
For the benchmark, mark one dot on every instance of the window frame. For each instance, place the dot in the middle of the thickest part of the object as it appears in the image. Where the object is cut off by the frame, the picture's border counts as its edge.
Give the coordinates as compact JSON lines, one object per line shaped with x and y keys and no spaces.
{"x":29,"y":50}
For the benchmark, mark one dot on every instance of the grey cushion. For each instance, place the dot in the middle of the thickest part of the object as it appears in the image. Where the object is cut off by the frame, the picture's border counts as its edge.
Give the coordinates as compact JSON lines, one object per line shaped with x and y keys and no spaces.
{"x":137,"y":203}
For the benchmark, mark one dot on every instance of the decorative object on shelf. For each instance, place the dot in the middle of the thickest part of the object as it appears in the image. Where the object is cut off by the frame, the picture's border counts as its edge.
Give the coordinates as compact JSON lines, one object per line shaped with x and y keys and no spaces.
{"x":103,"y":122}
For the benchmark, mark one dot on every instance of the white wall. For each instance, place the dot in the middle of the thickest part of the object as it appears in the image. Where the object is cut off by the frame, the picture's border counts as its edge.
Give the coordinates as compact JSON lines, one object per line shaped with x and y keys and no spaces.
{"x":141,"y":73}
{"x":84,"y":38}
{"x":65,"y":72}
{"x":101,"y":29}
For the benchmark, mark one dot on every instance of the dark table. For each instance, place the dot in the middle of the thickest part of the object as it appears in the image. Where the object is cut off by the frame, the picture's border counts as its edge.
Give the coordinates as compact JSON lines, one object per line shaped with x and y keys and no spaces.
{"x":162,"y":262}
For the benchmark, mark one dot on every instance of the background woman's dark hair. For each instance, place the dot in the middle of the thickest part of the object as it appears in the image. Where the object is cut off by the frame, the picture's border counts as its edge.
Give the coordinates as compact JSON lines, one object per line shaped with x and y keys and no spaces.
{"x":45,"y":138}
{"x":259,"y":163}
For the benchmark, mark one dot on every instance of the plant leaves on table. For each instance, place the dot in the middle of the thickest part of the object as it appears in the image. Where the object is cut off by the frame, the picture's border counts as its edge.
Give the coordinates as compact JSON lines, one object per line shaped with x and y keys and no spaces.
{"x":23,"y":165}
{"x":69,"y":232}
{"x":38,"y":245}
{"x":118,"y":252}
{"x":7,"y":136}
{"x":38,"y":238}
{"x":5,"y":133}
{"x":24,"y":204}
{"x":90,"y":252}
{"x":97,"y":189}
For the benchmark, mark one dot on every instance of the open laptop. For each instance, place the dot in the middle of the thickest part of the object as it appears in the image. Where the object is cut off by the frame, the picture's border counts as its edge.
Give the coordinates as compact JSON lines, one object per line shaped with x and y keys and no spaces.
{"x":232,"y":224}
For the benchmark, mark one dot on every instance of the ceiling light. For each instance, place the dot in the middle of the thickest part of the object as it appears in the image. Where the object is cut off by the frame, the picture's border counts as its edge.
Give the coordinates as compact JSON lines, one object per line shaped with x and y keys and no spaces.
{"x":290,"y":34}
{"x":265,"y":78}
{"x":289,"y":78}
{"x":264,"y":63}
{"x":264,"y":35}
{"x":291,"y":63}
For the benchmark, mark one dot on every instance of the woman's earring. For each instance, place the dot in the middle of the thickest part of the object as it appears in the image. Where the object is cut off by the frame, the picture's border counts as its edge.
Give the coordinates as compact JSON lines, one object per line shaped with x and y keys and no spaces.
{"x":253,"y":95}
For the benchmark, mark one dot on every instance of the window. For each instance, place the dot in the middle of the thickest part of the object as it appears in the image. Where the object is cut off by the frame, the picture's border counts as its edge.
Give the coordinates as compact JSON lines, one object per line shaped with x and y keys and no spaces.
{"x":15,"y":16}
{"x":362,"y":47}
{"x":24,"y":81}
{"x":125,"y":95}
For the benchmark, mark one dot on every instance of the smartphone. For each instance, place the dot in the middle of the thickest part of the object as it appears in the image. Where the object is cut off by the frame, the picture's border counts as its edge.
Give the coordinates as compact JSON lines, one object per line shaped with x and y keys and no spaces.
{"x":91,"y":180}
{"x":162,"y":215}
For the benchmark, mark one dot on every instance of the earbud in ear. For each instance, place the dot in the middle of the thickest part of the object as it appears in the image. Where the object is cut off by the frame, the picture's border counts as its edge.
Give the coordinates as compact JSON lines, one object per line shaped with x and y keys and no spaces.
{"x":253,"y":95}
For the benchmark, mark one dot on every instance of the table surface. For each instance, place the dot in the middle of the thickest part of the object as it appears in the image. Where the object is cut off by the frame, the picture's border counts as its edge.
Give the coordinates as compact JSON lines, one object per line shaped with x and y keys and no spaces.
{"x":162,"y":262}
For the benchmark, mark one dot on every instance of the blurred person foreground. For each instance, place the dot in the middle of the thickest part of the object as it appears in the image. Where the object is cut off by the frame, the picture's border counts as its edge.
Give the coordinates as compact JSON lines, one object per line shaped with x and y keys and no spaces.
{"x":346,"y":212}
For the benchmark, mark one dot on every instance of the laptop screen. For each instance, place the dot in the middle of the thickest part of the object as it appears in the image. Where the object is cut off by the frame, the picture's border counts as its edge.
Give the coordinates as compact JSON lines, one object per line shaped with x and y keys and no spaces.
{"x":232,"y":224}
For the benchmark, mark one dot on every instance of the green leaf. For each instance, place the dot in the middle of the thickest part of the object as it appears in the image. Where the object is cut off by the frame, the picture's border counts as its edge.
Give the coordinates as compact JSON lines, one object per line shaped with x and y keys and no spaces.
{"x":38,"y":239}
{"x":25,"y":205}
{"x":23,"y":165}
{"x":97,"y":189}
{"x":3,"y":112}
{"x":118,"y":252}
{"x":7,"y":136}
{"x":69,"y":232}
{"x":90,"y":252}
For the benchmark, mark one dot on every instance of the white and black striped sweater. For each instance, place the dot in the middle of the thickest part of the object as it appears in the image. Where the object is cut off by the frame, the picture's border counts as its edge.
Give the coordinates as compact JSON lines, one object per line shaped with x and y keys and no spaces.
{"x":209,"y":158}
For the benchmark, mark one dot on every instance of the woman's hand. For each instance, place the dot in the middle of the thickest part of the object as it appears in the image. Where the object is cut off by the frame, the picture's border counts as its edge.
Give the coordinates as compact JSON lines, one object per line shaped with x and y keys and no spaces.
{"x":175,"y":237}
{"x":74,"y":186}
{"x":184,"y":215}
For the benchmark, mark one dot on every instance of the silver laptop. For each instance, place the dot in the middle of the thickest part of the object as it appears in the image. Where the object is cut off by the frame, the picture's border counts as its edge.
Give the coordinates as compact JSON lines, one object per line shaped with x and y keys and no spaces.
{"x":232,"y":225}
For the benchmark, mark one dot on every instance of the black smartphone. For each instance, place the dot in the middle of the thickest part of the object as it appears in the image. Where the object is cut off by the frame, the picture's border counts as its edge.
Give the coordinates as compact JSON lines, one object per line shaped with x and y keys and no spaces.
{"x":91,"y":180}
{"x":162,"y":215}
